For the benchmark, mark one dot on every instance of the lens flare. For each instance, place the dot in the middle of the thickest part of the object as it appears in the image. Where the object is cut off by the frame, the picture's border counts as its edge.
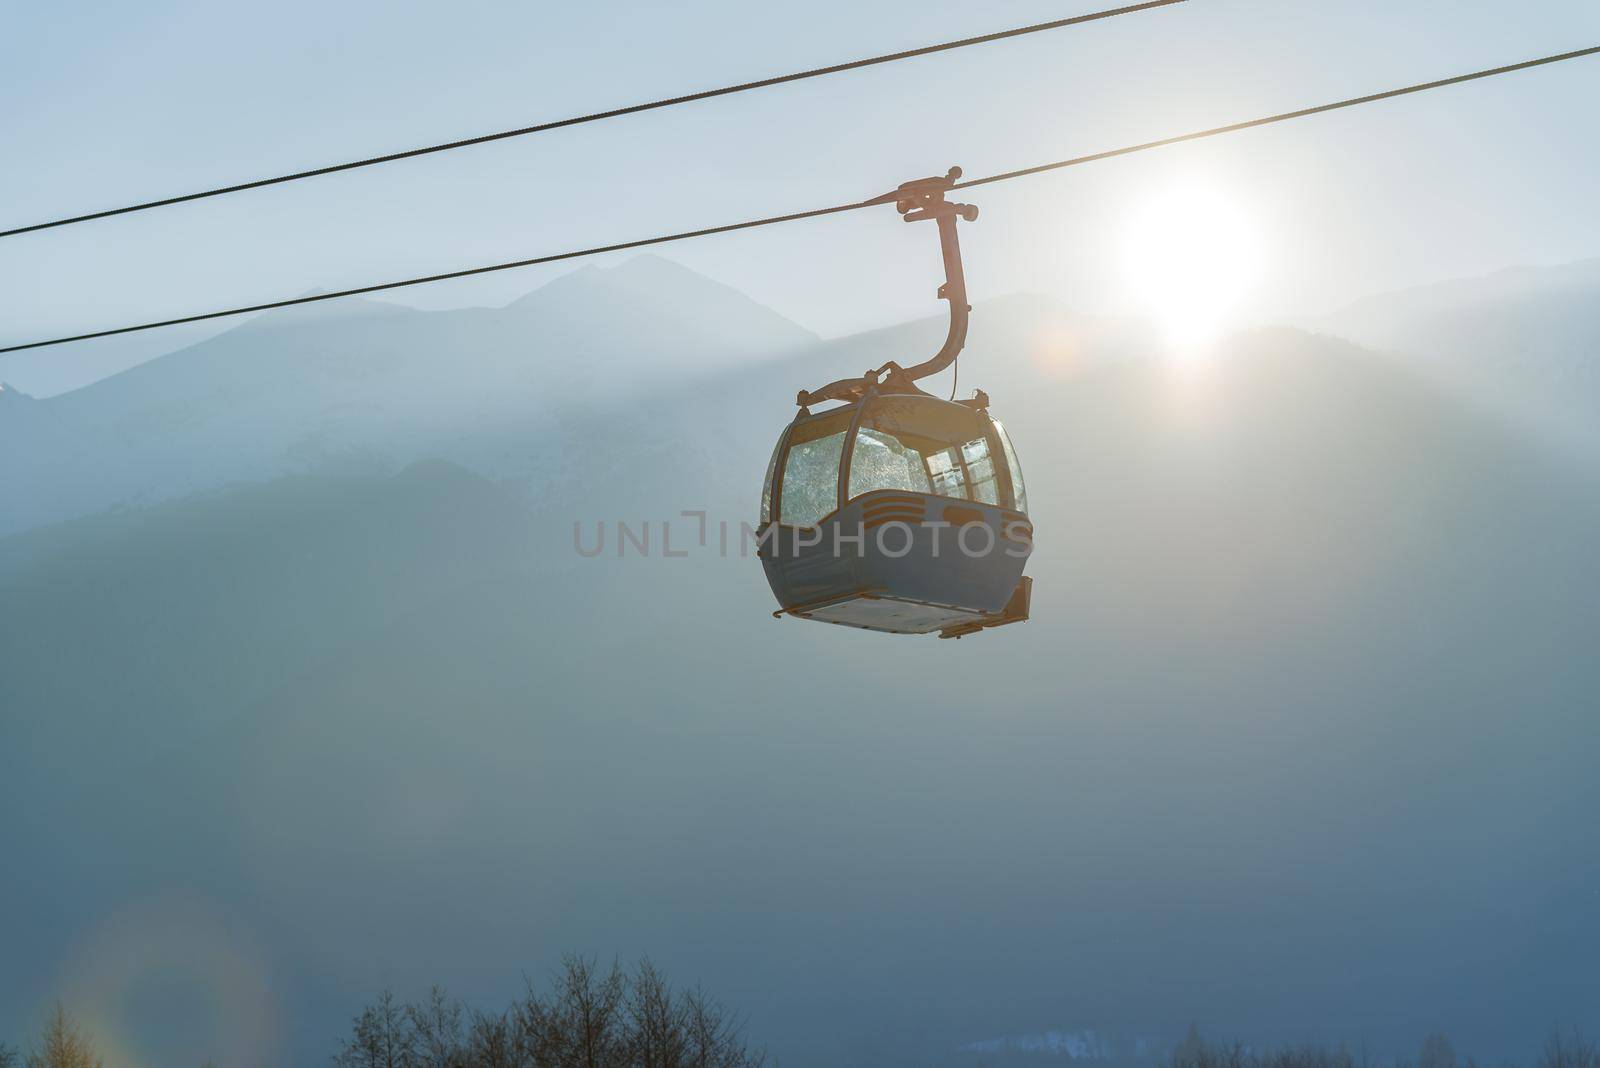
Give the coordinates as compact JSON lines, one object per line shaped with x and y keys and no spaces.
{"x":176,"y":942}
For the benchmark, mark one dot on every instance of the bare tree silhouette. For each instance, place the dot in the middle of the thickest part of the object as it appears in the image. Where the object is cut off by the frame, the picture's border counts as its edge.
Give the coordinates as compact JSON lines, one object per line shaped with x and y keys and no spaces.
{"x":436,"y":1029}
{"x":383,"y":1038}
{"x":587,"y":1017}
{"x":659,"y":1020}
{"x":63,"y":1044}
{"x":1570,"y":1051}
{"x":493,"y":1042}
{"x":581,"y":1022}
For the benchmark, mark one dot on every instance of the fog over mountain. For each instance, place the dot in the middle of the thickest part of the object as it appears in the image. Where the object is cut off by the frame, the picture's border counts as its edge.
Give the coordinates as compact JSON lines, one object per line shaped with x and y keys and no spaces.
{"x":1522,"y":343}
{"x":364,"y":386}
{"x":307,"y":692}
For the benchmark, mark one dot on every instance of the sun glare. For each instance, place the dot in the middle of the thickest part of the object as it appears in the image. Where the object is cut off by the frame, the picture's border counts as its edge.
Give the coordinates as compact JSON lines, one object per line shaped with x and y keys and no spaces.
{"x":1190,"y":259}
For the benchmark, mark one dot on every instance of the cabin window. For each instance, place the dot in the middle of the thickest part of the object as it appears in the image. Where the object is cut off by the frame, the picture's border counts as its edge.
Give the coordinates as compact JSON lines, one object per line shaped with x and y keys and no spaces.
{"x":965,"y":471}
{"x":905,"y":444}
{"x":1015,"y":468}
{"x":766,"y":486}
{"x":883,"y":462}
{"x":809,"y":488}
{"x":811,"y":480}
{"x":924,"y":446}
{"x":981,"y":483}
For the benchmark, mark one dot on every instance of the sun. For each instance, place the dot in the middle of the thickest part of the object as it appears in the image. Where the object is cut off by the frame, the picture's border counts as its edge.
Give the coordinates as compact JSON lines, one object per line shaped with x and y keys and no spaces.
{"x":1190,"y":259}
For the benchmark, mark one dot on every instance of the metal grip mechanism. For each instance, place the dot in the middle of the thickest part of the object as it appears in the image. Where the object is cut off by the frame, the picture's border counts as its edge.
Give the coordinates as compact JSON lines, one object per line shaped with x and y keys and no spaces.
{"x":916,"y":201}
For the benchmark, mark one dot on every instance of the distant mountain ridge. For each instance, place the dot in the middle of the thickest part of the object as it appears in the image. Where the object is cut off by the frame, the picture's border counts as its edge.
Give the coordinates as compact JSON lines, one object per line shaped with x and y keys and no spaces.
{"x":360,"y":386}
{"x":363,"y":386}
{"x":1523,"y":341}
{"x":519,"y":395}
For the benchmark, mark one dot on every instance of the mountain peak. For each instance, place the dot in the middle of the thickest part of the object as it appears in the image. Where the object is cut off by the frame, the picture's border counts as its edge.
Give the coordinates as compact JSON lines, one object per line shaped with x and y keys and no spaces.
{"x":649,"y":268}
{"x":651,"y":288}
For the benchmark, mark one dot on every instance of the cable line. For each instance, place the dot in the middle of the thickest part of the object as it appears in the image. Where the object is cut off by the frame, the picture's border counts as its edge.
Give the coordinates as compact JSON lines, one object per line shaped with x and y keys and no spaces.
{"x":554,"y":257}
{"x":819,"y":212}
{"x":1387,"y":94}
{"x":598,"y":116}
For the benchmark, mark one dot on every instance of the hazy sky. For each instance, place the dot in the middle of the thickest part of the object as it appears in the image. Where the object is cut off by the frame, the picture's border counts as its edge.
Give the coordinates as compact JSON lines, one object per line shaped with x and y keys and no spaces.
{"x":111,"y":102}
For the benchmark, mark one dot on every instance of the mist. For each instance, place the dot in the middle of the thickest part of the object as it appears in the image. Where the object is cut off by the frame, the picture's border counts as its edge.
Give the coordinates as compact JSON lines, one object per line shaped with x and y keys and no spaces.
{"x":308,"y":694}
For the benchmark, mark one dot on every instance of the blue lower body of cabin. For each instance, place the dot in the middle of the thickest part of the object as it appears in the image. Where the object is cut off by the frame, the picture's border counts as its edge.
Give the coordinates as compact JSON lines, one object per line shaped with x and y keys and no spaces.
{"x":904,"y":563}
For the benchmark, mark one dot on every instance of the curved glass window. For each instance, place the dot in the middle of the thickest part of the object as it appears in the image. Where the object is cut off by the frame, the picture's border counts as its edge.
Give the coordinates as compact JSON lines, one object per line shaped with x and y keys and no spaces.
{"x":884,"y":462}
{"x":924,"y":445}
{"x":912,"y":444}
{"x":1015,"y":468}
{"x":811,"y":480}
{"x":809,"y":488}
{"x":766,"y":486}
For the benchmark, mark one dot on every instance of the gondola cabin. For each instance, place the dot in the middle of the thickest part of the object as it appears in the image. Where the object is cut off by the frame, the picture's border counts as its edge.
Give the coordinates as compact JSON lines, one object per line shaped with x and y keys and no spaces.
{"x":902,"y":513}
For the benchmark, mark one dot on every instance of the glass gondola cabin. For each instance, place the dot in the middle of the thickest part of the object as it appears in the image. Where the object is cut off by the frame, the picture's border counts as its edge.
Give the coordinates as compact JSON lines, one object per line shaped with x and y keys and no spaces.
{"x":902,"y":513}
